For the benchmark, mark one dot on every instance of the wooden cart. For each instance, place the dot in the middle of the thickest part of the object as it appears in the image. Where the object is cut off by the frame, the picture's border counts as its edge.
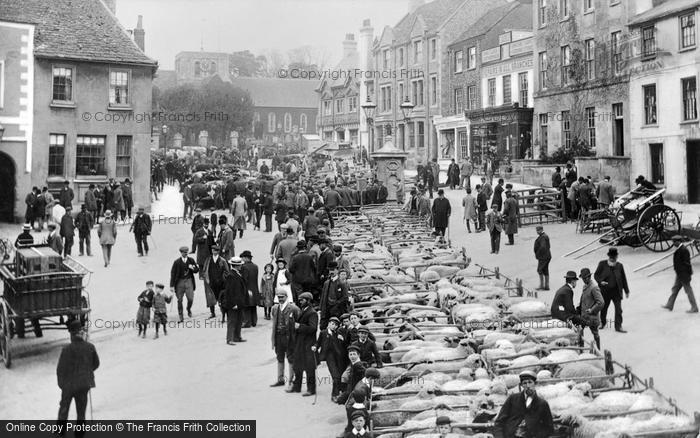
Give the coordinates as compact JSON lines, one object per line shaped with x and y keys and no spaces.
{"x":47,"y":292}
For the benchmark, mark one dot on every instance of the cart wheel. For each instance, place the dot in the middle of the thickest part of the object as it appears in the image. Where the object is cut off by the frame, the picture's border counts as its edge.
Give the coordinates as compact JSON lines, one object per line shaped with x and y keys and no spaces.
{"x":5,"y":338}
{"x":657,"y":225}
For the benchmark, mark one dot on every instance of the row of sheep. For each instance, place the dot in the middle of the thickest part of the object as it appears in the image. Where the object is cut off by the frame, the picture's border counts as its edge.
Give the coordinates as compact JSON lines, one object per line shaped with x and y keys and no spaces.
{"x":455,"y":343}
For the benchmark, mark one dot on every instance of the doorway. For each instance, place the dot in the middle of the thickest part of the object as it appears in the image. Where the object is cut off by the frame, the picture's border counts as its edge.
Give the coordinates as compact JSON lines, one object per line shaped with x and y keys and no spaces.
{"x":7,"y":188}
{"x":693,"y":162}
{"x":618,"y":130}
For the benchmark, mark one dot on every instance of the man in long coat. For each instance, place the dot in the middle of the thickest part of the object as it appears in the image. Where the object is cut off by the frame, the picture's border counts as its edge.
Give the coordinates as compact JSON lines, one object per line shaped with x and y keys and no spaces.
{"x":304,"y":357}
{"x":76,"y":374}
{"x":543,"y":256}
{"x":141,"y":227}
{"x":470,"y":210}
{"x":334,"y":296}
{"x":466,"y":170}
{"x":610,"y":276}
{"x":118,"y":201}
{"x":304,"y":270}
{"x":590,"y":305}
{"x":684,"y":273}
{"x":67,"y":231}
{"x":215,"y":270}
{"x":91,"y":202}
{"x":84,"y":223}
{"x":238,"y":210}
{"x":453,"y":174}
{"x":563,"y":302}
{"x":182,"y":281}
{"x":525,"y":414}
{"x":249,"y":272}
{"x":233,"y":301}
{"x":605,"y":193}
{"x":441,"y":213}
{"x":225,"y":239}
{"x":66,"y":195}
{"x":510,"y":216}
{"x":284,"y":314}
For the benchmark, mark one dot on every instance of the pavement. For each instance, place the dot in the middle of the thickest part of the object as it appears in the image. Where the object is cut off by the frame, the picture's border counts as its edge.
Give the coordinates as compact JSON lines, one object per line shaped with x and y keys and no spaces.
{"x":193,"y":374}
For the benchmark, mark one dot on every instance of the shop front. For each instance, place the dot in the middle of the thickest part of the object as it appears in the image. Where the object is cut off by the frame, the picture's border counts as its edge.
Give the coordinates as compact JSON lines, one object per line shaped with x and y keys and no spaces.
{"x":501,"y":133}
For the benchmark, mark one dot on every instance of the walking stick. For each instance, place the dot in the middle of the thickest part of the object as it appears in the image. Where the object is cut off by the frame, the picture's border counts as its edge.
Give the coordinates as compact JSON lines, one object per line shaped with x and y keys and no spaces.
{"x":315,"y":370}
{"x":90,"y":400}
{"x":153,"y":242}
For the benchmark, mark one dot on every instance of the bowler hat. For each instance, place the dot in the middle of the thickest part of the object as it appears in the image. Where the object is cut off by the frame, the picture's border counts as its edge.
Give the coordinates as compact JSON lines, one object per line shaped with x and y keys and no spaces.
{"x":442,"y":419}
{"x":301,"y":244}
{"x":571,"y":275}
{"x":612,"y":252}
{"x":215,"y":247}
{"x":585,"y":273}
{"x":75,"y":326}
{"x":332,"y":265}
{"x":281,"y":260}
{"x":246,"y":253}
{"x":306,"y":296}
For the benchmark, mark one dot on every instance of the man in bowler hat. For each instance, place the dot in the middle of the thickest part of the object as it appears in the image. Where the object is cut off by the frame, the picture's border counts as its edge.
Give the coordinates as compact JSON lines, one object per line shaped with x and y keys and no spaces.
{"x":610,"y":276}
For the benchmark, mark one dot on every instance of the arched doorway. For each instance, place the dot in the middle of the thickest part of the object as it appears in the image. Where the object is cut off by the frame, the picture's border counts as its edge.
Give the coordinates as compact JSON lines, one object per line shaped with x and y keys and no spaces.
{"x":7,"y":188}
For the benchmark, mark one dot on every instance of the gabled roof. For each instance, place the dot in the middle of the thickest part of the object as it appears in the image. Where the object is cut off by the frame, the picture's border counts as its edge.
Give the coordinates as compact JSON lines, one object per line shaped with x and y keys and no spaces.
{"x":508,"y":12}
{"x":669,"y":7}
{"x":280,"y":93}
{"x":433,"y":15}
{"x":83,"y":30}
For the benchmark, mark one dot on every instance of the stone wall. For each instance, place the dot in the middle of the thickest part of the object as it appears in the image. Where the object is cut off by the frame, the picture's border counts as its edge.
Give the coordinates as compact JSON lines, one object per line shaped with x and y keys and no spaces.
{"x":617,"y":168}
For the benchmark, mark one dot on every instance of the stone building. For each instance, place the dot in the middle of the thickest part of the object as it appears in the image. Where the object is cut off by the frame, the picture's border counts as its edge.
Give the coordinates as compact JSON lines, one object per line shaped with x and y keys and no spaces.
{"x":409,"y":64}
{"x":283,"y":109}
{"x":197,"y":66}
{"x":664,"y":67}
{"x":581,"y":86}
{"x":75,"y":86}
{"x":489,"y":76}
{"x":339,"y":98}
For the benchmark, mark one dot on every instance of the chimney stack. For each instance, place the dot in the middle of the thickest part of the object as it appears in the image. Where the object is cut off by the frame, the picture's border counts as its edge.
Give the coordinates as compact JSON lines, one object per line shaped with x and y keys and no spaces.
{"x":349,"y":45}
{"x":111,"y":5}
{"x":140,"y":35}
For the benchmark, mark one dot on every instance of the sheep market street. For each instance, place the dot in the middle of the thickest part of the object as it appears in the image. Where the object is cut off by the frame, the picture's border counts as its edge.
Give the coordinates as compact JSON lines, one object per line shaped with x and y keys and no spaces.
{"x":193,"y":374}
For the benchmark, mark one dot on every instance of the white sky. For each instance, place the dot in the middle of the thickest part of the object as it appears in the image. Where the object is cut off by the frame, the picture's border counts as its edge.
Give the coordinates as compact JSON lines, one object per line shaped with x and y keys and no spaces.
{"x":231,"y":25}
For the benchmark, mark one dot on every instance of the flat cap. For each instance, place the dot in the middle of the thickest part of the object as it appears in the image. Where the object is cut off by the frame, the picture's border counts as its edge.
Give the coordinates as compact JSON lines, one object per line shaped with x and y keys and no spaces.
{"x":334,"y":319}
{"x":363,"y":330}
{"x":344,"y":316}
{"x":306,"y":296}
{"x":357,"y":413}
{"x":75,"y":326}
{"x":372,"y":373}
{"x":354,"y":348}
{"x":528,"y":375}
{"x":184,"y":249}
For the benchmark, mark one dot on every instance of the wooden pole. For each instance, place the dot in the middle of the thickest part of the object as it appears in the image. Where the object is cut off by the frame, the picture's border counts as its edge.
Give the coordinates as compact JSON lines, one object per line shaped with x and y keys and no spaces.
{"x":613,"y":241}
{"x":597,"y":239}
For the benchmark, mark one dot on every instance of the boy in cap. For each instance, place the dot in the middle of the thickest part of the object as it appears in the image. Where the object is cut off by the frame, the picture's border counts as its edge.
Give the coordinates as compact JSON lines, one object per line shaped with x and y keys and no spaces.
{"x":330,"y":349}
{"x":525,"y":414}
{"x":160,"y":311}
{"x":443,"y":424}
{"x":354,"y":372}
{"x":361,"y":393}
{"x":358,"y":419}
{"x":369,"y":354}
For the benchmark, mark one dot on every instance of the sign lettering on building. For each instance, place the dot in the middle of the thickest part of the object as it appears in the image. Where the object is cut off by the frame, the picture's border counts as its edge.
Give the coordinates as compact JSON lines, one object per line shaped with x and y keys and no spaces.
{"x":508,"y":67}
{"x":504,"y":38}
{"x":491,"y":55}
{"x":522,"y":46}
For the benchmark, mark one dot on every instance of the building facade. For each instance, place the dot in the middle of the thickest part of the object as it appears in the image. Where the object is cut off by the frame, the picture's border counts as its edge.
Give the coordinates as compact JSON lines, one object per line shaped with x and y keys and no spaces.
{"x":490,"y":77}
{"x":81,"y":86}
{"x":198,"y":66}
{"x":339,"y":99}
{"x":581,"y":85}
{"x":283,"y":109}
{"x":16,"y":115}
{"x":663,"y":98}
{"x":409,"y":65}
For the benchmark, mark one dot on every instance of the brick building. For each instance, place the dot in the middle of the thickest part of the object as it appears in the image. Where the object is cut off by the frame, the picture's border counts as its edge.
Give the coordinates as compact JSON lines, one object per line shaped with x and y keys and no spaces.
{"x":339,"y":98}
{"x":581,"y":86}
{"x":281,"y":107}
{"x":81,"y":84}
{"x":489,"y":79}
{"x":663,"y":105}
{"x":409,"y":61}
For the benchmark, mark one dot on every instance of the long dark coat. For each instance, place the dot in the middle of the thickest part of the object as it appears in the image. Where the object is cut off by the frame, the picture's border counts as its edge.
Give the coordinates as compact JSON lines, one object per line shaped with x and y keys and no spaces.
{"x":541,"y":247}
{"x":682,"y":265}
{"x":305,"y":339}
{"x":538,"y":417}
{"x":510,"y":215}
{"x":604,"y":273}
{"x":235,"y":293}
{"x":441,"y":212}
{"x":249,"y":272}
{"x":334,"y":299}
{"x":76,"y":366}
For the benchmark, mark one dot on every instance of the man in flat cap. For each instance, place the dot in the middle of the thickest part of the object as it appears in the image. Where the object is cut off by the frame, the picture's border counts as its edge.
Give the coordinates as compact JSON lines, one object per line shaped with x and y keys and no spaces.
{"x":215,"y":270}
{"x":610,"y":276}
{"x":369,"y":353}
{"x":76,"y":373}
{"x":543,"y":256}
{"x":305,"y":358}
{"x":284,"y":314}
{"x":330,"y":348}
{"x":684,"y":273}
{"x":525,"y":414}
{"x":590,"y":305}
{"x":182,"y":281}
{"x":141,"y":226}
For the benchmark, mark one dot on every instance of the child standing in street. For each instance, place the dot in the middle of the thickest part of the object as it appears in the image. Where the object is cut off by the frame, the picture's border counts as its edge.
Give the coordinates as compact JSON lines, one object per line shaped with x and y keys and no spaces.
{"x":160,"y":311}
{"x":267,"y":289}
{"x":143,"y":316}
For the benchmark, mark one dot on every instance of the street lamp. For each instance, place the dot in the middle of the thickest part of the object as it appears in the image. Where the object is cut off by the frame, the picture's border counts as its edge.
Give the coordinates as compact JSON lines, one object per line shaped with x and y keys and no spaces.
{"x":368,"y":107}
{"x":164,"y":130}
{"x":406,"y":109}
